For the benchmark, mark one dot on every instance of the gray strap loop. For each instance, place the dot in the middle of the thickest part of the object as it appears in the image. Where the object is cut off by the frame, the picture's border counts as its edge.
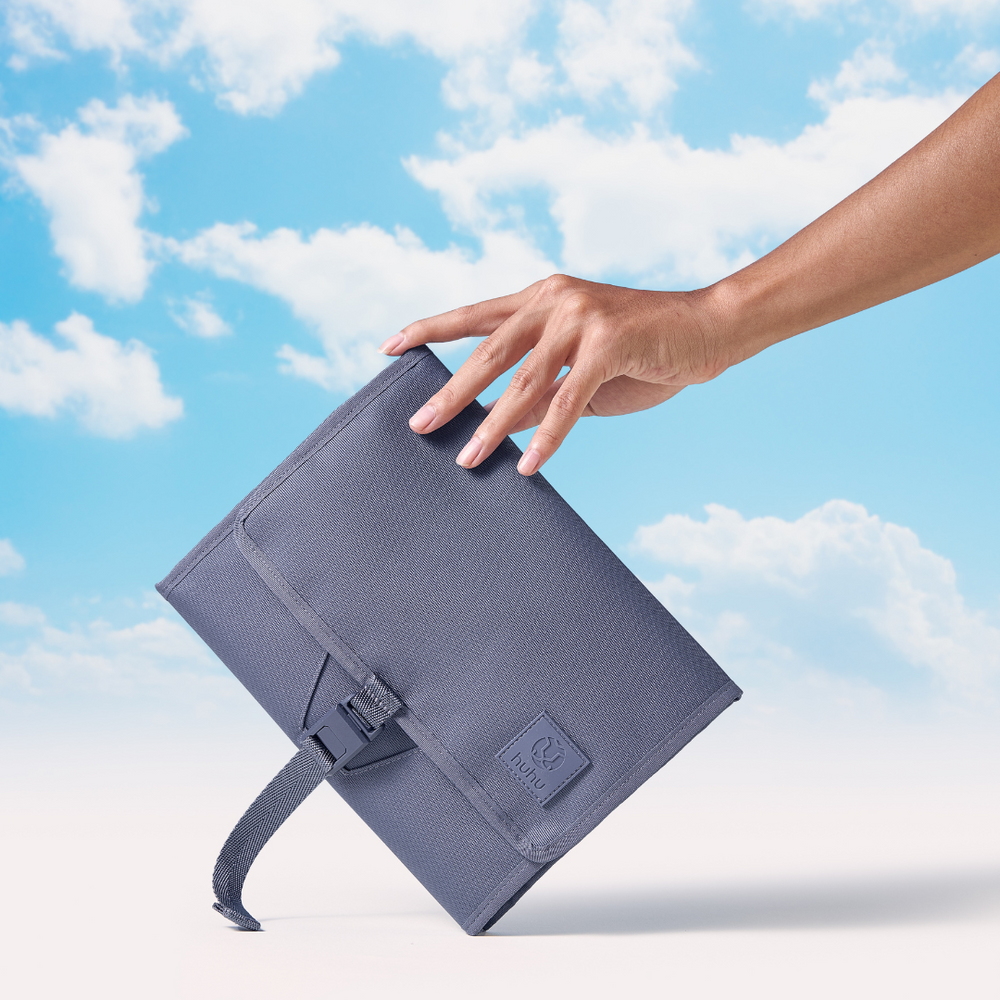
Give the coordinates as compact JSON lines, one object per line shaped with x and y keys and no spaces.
{"x":375,"y":703}
{"x":283,"y":795}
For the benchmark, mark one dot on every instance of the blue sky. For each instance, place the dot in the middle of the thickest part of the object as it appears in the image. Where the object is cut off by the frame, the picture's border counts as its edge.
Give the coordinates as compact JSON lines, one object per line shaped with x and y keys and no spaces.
{"x":212,"y":212}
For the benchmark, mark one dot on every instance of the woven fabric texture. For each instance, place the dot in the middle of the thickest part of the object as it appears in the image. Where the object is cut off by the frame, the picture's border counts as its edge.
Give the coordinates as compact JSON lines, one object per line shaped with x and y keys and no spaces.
{"x":279,"y":799}
{"x":482,"y":600}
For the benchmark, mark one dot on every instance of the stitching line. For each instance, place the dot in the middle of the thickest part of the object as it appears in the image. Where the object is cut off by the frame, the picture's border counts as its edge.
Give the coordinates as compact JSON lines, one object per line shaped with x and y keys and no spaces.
{"x":502,"y":890}
{"x":466,"y":784}
{"x":254,"y":501}
{"x":348,"y":772}
{"x":707,"y":706}
{"x":170,"y":582}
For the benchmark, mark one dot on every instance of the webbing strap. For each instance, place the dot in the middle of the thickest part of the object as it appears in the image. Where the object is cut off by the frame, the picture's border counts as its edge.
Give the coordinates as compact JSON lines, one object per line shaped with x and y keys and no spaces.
{"x":289,"y":788}
{"x":375,"y":702}
{"x":285,"y":793}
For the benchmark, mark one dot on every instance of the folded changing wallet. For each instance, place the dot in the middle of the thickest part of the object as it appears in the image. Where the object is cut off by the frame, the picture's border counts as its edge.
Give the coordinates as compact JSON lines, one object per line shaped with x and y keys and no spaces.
{"x":454,"y":651}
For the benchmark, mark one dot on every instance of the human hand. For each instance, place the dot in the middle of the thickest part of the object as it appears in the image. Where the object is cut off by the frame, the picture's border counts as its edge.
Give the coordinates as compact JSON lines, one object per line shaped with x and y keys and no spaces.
{"x":626,"y":349}
{"x":932,"y":213}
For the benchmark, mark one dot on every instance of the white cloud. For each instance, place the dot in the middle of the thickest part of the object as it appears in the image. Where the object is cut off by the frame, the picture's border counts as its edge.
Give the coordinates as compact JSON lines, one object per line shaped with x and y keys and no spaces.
{"x":256,"y":53}
{"x":866,"y":73}
{"x":953,"y":9}
{"x":628,"y":48}
{"x":806,"y":9}
{"x":197,"y":316}
{"x":528,"y":78}
{"x":88,"y":181}
{"x":357,"y":286}
{"x":929,"y":10}
{"x":838,"y":590}
{"x":11,"y":561}
{"x":87,"y":24}
{"x":631,"y":44}
{"x":20,"y":615}
{"x":654,"y":206}
{"x":979,"y":64}
{"x":260,"y":54}
{"x":113,"y":389}
{"x":495,"y":83}
{"x":160,"y":658}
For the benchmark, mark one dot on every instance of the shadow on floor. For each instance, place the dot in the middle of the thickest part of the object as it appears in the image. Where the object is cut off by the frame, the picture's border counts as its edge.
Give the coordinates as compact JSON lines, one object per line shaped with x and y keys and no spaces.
{"x":849,"y":902}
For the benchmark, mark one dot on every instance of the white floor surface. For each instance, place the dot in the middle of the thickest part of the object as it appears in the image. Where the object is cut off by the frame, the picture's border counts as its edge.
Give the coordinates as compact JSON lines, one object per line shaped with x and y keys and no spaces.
{"x":875,"y":880}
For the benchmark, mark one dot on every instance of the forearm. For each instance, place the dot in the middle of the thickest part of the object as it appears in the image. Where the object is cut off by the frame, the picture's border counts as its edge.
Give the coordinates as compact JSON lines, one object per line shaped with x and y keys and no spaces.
{"x":932,"y":213}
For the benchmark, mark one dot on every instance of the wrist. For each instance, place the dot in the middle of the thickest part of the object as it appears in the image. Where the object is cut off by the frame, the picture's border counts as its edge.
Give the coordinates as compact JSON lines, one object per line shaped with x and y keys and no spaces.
{"x":725,"y":324}
{"x":745,"y":312}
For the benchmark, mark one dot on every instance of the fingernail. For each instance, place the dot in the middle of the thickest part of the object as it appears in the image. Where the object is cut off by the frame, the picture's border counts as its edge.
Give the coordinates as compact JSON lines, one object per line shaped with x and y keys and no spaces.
{"x":391,"y":344}
{"x":530,"y":463}
{"x":470,"y":452}
{"x":423,"y":418}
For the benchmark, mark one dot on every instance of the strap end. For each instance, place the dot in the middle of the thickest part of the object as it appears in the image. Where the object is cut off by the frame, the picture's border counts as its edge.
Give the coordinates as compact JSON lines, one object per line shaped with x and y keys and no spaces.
{"x":241,"y":918}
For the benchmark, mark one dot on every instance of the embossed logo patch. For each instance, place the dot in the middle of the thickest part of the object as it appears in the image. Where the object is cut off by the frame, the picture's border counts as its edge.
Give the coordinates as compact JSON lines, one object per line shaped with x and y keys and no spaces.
{"x":542,"y":758}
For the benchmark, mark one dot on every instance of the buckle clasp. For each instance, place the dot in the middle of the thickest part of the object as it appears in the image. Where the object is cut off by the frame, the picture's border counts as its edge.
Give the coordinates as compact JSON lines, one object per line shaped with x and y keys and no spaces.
{"x":344,"y":733}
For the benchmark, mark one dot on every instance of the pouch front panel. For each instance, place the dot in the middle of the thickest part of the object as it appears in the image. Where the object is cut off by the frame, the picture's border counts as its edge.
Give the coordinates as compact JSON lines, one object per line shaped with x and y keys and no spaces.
{"x":252,"y":632}
{"x":465,"y":864}
{"x":483,"y":600}
{"x":430,"y":826}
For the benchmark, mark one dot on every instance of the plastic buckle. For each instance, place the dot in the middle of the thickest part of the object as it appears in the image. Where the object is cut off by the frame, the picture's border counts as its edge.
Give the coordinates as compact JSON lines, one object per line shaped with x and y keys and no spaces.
{"x":344,"y":733}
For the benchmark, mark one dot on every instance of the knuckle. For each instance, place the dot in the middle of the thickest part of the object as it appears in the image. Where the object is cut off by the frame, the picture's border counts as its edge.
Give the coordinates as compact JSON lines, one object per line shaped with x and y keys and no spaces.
{"x":444,"y":400}
{"x":600,"y":330}
{"x":522,"y":381}
{"x":557,"y":284}
{"x":545,"y":440}
{"x":491,"y":432}
{"x":575,"y":306}
{"x":564,"y":404}
{"x":465,"y":315}
{"x":487,"y":354}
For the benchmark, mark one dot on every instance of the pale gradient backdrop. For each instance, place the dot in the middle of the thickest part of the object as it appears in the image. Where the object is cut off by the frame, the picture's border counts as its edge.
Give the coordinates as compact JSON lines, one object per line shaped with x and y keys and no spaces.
{"x":213,"y":211}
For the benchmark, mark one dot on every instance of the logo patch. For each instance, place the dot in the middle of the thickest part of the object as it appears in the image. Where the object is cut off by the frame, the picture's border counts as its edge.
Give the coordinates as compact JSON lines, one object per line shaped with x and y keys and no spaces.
{"x":542,"y":758}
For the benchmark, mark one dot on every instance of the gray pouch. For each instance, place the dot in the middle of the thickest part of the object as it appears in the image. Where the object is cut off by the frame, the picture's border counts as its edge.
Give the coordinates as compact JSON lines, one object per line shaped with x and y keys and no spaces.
{"x":454,"y":651}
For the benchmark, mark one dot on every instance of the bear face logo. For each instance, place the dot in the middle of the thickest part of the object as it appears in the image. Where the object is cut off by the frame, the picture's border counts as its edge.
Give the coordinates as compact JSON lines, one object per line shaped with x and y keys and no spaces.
{"x":549,"y":753}
{"x":542,"y":759}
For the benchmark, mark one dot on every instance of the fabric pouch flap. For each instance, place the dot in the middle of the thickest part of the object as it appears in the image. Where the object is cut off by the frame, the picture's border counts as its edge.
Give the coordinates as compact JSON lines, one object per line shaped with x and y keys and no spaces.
{"x":536,"y":671}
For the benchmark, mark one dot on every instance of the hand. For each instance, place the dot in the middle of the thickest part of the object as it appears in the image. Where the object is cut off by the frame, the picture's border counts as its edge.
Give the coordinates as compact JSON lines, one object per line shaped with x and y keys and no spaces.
{"x":933,"y":212}
{"x":627,"y":350}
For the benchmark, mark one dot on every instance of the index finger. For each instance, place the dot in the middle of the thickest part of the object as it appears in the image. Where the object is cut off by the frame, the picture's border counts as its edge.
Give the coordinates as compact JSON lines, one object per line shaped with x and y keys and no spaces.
{"x":478,"y":320}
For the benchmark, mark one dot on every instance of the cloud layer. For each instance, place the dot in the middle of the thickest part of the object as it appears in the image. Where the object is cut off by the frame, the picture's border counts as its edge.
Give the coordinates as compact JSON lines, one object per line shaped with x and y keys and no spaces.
{"x":160,"y":661}
{"x":627,"y":201}
{"x":255,"y":54}
{"x":628,"y":44}
{"x":838,"y":593}
{"x":11,"y":561}
{"x":258,"y":55}
{"x":356,"y":286}
{"x":197,"y":316}
{"x":86,"y":176}
{"x":653,"y":206}
{"x":633,"y":202}
{"x":113,"y":389}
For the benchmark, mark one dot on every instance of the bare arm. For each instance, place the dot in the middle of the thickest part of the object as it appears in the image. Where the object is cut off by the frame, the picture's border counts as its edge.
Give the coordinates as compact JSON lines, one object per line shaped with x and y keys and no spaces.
{"x":932,"y":213}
